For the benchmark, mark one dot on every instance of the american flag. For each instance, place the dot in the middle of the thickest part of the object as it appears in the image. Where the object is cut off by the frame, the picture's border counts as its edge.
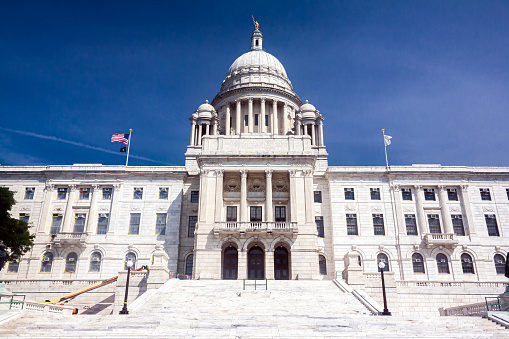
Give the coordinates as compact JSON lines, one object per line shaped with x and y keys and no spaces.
{"x":121,"y":138}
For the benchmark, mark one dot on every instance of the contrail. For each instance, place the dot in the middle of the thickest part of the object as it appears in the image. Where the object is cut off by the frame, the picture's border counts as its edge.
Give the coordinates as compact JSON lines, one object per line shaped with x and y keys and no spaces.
{"x":49,"y":137}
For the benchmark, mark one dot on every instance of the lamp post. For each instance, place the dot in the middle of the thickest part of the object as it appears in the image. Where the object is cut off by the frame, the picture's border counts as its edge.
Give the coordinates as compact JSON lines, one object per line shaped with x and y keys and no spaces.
{"x":381,"y":265}
{"x":129,"y":265}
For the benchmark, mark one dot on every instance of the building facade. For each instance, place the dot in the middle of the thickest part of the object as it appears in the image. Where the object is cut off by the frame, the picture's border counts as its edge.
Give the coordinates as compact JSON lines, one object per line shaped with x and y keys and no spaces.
{"x":257,"y":199}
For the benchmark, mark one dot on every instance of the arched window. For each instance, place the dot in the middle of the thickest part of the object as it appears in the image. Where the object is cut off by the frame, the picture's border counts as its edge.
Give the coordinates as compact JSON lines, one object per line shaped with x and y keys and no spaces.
{"x":467,"y":264}
{"x":417,"y":263}
{"x":95,"y":262}
{"x":322,"y":262}
{"x":189,"y":264}
{"x":70,"y":262}
{"x":499,"y":263}
{"x":382,"y":257}
{"x":130,"y":256}
{"x":47,"y":262}
{"x":13,"y":266}
{"x":442,"y":264}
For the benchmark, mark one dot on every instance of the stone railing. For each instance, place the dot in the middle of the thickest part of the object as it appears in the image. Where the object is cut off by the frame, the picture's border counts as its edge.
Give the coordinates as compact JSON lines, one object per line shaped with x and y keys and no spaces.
{"x":50,"y":282}
{"x":63,"y":238}
{"x":477,"y":309}
{"x":445,"y":284}
{"x":41,"y":307}
{"x":439,"y":239}
{"x":233,"y":227}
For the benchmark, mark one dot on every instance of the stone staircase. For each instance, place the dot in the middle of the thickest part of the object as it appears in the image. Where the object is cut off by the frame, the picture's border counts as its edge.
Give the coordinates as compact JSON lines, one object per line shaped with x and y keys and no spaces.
{"x":219,"y":309}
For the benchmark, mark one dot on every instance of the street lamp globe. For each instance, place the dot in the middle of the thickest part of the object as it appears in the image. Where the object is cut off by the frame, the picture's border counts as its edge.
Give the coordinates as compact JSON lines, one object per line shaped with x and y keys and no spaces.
{"x":381,"y":265}
{"x":130,"y":263}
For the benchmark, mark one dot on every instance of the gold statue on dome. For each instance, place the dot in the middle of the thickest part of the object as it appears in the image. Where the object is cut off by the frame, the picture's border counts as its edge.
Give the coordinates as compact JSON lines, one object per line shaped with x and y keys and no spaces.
{"x":257,"y":25}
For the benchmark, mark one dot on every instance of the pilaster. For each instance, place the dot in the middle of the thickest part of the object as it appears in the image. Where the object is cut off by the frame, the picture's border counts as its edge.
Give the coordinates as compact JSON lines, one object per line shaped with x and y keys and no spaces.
{"x":446,"y":215}
{"x":467,"y":210}
{"x":269,"y":213}
{"x":243,"y":195}
{"x":69,"y":215}
{"x":219,"y":195}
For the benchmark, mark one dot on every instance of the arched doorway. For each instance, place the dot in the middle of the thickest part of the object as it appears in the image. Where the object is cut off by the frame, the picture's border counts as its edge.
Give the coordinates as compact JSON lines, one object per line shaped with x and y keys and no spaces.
{"x":281,"y":267}
{"x":230,"y":263}
{"x":256,"y":263}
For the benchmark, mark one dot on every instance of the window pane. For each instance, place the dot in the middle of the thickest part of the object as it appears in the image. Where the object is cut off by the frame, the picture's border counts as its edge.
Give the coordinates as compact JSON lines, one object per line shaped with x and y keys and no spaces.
{"x":134,"y":225}
{"x":102,"y":223}
{"x":280,"y":213}
{"x":189,"y":264}
{"x":442,"y":264}
{"x":318,"y":196}
{"x":319,"y":226}
{"x":382,"y":257}
{"x":322,"y":262}
{"x":417,"y":263}
{"x":491,"y":224}
{"x":138,"y":193}
{"x":29,"y":193}
{"x":406,"y":194}
{"x":13,"y":266}
{"x":84,"y":194}
{"x":485,"y":194}
{"x":70,"y":263}
{"x":457,"y":224}
{"x":378,"y":224}
{"x":161,"y":223}
{"x":411,"y":224}
{"x":231,"y":213}
{"x":130,"y":256}
{"x":452,"y":194}
{"x":256,"y":213}
{"x":47,"y":262}
{"x":349,"y":194}
{"x":62,"y":194}
{"x":195,"y":196}
{"x":55,"y":223}
{"x":95,"y":262}
{"x":429,"y":194}
{"x":106,"y":193}
{"x":467,"y":264}
{"x":24,"y":217}
{"x":499,"y":263}
{"x":351,"y":224}
{"x":192,"y":225}
{"x":79,"y":223}
{"x":434,"y":223}
{"x":163,"y":193}
{"x":375,"y":193}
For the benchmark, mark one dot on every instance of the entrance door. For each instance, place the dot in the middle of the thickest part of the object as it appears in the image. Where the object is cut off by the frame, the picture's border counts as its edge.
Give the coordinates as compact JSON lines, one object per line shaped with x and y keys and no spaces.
{"x":230,"y":263}
{"x":256,"y":263}
{"x":281,"y":264}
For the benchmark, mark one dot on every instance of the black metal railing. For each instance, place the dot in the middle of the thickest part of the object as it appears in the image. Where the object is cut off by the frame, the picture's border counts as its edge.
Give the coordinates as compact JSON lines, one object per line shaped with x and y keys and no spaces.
{"x":12,"y":301}
{"x":497,"y":304}
{"x":255,"y":284}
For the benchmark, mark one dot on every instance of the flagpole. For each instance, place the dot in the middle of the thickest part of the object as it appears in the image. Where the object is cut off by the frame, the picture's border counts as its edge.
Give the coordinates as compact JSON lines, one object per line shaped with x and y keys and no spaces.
{"x":129,"y":145}
{"x":385,"y":148}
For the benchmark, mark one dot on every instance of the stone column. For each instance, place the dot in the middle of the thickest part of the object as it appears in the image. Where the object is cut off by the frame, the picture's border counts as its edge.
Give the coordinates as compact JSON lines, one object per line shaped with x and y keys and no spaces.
{"x":114,"y":209}
{"x":467,"y":210}
{"x":285,"y":118}
{"x":308,"y":191}
{"x":275,"y":127}
{"x":243,"y":195}
{"x":293,"y":195}
{"x":228,"y":125}
{"x":321,"y":133}
{"x":202,"y":206}
{"x":219,"y":195}
{"x":45,"y":220}
{"x":199,"y":133}
{"x":396,"y":190}
{"x":446,"y":215}
{"x":69,"y":215}
{"x":313,"y":136}
{"x":92,"y":214}
{"x":269,"y":215}
{"x":250,"y":120}
{"x":421,"y":217}
{"x":242,"y":264}
{"x":193,"y":131}
{"x":262,"y":114}
{"x":207,"y":129}
{"x":238,"y":117}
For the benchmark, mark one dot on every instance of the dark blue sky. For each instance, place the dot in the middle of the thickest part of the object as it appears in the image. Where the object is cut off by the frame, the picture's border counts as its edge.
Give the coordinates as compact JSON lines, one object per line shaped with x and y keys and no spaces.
{"x":434,"y":74}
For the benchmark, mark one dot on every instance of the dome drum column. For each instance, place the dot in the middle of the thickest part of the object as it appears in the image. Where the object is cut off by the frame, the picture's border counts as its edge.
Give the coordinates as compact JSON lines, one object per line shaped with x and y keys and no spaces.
{"x":227,"y":122}
{"x":250,"y":119}
{"x":275,"y":129}
{"x":262,"y":115}
{"x":238,"y":117}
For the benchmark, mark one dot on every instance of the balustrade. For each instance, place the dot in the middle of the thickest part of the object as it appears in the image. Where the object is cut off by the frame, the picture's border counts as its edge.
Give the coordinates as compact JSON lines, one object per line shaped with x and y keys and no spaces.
{"x":232,"y":227}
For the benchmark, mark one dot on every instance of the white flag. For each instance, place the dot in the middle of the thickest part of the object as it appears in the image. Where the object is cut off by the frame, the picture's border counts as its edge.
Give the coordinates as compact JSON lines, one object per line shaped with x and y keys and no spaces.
{"x":387,"y":140}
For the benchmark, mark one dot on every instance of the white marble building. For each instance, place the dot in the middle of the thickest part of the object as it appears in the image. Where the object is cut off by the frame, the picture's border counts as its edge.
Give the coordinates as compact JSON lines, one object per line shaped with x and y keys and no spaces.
{"x":257,"y":199}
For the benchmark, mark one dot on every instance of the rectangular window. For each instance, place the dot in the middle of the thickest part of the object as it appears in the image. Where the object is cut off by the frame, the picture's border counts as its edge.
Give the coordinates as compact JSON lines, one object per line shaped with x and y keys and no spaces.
{"x":160,"y":223}
{"x":24,"y":217}
{"x":163,"y":193}
{"x":457,"y":224}
{"x":351,"y":224}
{"x":84,"y":193}
{"x":318,"y":196}
{"x":434,"y":223}
{"x":256,"y":119}
{"x":138,"y":193}
{"x":349,"y":194}
{"x":491,"y":224}
{"x":62,"y":193}
{"x":134,"y":224}
{"x":107,"y":193}
{"x":411,"y":224}
{"x":280,"y":213}
{"x":375,"y":193}
{"x":231,"y":213}
{"x":79,"y":223}
{"x":319,"y":226}
{"x":193,"y":219}
{"x":485,"y":194}
{"x":378,"y":224}
{"x":56,"y":222}
{"x":246,"y":120}
{"x":507,"y":192}
{"x":266,"y":120}
{"x":452,"y":194}
{"x":255,"y":213}
{"x":406,"y":194}
{"x":102,"y":223}
{"x":13,"y":266}
{"x":29,"y":193}
{"x":195,"y":196}
{"x":429,"y":194}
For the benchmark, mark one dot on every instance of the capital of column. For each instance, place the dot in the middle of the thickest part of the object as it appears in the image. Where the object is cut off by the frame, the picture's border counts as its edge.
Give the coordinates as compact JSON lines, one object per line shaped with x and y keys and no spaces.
{"x":237,"y":101}
{"x":307,"y":173}
{"x":441,"y":188}
{"x":263,"y":100}
{"x":250,"y":100}
{"x":193,"y":122}
{"x":243,"y":173}
{"x":396,"y":188}
{"x":50,"y":187}
{"x":73,"y":187}
{"x":293,"y":173}
{"x":268,"y":173}
{"x":95,"y":186}
{"x":220,"y":172}
{"x":204,"y":172}
{"x":464,"y":187}
{"x":117,"y":186}
{"x":274,"y":101}
{"x":418,"y":187}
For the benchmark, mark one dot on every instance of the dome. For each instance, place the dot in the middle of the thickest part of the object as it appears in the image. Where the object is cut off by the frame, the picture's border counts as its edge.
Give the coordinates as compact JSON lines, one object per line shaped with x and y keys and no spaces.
{"x":205,"y":110}
{"x":257,"y":60}
{"x":307,"y":110}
